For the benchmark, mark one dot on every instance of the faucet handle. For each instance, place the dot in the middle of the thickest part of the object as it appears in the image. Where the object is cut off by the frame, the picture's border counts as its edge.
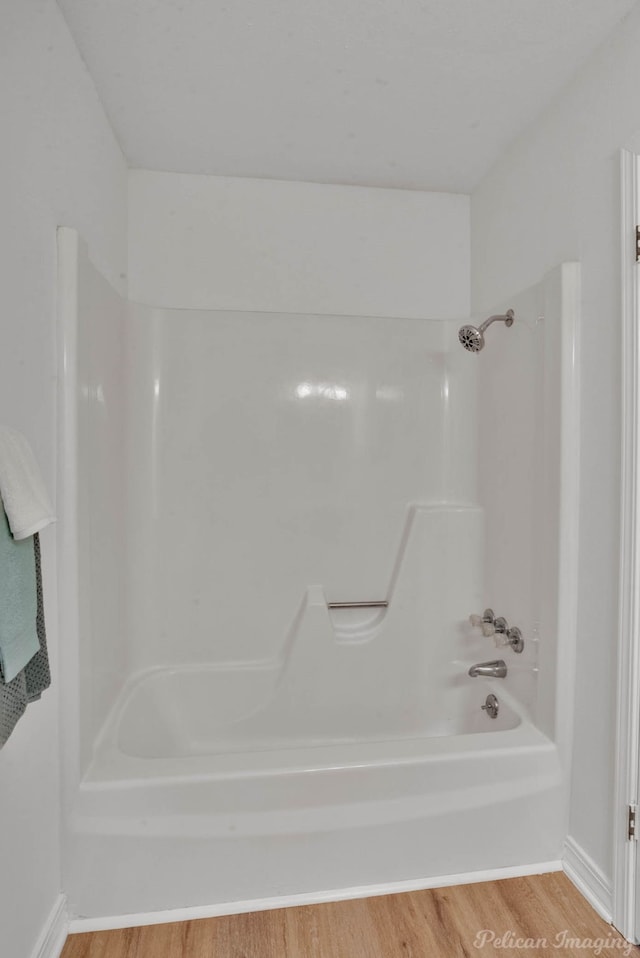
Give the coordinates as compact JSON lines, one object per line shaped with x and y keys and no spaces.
{"x":512,"y":637}
{"x":496,"y":627}
{"x":484,"y":621}
{"x":515,"y":639}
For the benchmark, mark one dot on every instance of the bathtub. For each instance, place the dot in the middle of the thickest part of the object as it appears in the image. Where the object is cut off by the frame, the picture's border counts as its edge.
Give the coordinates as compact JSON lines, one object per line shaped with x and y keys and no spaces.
{"x":233,"y":741}
{"x":193,"y":824}
{"x":184,"y":714}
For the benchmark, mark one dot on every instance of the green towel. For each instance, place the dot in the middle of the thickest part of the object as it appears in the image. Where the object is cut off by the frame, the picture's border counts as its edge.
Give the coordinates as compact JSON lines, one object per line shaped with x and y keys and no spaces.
{"x":18,"y":602}
{"x":28,"y":685}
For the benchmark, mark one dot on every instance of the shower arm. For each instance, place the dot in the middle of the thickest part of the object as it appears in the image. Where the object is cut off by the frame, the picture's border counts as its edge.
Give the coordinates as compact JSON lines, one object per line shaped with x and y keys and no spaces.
{"x":506,"y":318}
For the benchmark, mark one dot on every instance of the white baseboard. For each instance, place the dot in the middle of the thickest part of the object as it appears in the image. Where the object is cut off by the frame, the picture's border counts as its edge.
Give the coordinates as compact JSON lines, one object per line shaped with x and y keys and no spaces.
{"x":54,"y":933}
{"x":588,"y":878}
{"x":77,"y":925}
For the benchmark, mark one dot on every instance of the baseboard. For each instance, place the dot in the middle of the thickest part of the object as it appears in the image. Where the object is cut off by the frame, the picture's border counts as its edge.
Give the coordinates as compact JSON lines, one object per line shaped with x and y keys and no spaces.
{"x":54,"y":933}
{"x":588,"y":878}
{"x":77,"y":925}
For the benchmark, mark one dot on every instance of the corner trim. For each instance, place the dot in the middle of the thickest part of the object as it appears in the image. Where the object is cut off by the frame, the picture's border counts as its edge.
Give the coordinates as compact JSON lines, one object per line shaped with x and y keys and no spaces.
{"x":627,"y":769}
{"x":590,"y":880}
{"x":108,"y":923}
{"x":54,"y":932}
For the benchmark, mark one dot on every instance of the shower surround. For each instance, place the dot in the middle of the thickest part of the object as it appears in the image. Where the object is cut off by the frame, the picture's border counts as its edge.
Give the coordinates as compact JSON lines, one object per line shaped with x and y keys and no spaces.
{"x":231,"y":739}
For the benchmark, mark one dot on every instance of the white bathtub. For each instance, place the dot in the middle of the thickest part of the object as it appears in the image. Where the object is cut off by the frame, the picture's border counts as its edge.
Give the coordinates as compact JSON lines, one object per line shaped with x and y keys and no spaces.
{"x":191,"y":824}
{"x":314,"y":753}
{"x":212,"y":711}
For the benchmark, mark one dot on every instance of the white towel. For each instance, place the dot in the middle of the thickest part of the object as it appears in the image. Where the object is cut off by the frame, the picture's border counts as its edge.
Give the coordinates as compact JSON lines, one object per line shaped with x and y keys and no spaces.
{"x":23,"y":492}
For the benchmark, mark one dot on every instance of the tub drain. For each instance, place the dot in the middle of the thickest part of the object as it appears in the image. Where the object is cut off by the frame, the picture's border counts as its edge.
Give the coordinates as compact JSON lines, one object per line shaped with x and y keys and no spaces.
{"x":491,"y":706}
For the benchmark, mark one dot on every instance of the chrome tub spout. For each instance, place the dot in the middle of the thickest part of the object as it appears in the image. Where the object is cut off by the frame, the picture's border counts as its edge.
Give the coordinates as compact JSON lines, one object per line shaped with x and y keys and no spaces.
{"x":493,"y":670}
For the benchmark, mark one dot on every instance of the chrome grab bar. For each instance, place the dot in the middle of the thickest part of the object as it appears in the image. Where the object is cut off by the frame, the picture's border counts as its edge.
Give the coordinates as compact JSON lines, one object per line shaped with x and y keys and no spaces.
{"x":381,"y":604}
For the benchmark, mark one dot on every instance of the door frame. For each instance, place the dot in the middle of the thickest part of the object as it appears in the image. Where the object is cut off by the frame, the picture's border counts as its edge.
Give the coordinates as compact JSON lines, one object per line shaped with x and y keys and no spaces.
{"x":628,"y":689}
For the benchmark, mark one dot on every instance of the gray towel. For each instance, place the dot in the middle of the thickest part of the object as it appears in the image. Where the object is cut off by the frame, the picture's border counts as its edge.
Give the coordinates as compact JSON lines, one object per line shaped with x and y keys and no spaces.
{"x":13,"y":702}
{"x":29,"y":685}
{"x":37,"y":673}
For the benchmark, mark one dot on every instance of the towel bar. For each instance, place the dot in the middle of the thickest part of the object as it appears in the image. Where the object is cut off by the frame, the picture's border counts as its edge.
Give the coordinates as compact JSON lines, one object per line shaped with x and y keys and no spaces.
{"x":381,"y":604}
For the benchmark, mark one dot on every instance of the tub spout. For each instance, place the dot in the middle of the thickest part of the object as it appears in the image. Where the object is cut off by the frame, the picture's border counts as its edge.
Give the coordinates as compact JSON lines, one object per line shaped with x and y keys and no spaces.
{"x":494,"y":670}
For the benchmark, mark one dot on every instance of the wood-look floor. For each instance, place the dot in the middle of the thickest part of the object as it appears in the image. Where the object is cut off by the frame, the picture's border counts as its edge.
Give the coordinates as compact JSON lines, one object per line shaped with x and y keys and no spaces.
{"x":439,"y":923}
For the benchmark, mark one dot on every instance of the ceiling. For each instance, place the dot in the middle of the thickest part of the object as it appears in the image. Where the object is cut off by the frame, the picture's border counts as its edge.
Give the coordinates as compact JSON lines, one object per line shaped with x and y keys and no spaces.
{"x":419,"y":94}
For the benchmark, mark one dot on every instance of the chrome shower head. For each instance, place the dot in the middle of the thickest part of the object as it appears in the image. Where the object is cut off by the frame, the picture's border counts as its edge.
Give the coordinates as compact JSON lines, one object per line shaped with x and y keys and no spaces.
{"x":472,"y":337}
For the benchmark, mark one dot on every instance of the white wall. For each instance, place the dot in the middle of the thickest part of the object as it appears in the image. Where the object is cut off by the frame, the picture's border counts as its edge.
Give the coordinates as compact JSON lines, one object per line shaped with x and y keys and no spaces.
{"x":220,"y":242}
{"x":555,"y":196}
{"x":59,"y":163}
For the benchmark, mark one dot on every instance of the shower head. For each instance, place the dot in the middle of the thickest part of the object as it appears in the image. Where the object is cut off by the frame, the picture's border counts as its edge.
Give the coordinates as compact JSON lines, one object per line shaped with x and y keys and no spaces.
{"x":472,"y":337}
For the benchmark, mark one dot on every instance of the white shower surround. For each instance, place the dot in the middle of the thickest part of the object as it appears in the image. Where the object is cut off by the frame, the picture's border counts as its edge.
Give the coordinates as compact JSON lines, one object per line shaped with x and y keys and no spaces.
{"x":322,"y":812}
